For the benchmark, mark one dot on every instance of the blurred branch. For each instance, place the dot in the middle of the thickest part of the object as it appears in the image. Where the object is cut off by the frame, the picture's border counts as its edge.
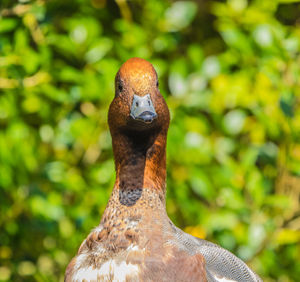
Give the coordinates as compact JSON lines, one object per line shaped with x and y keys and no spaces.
{"x":289,"y":185}
{"x":29,"y":19}
{"x":125,"y":10}
{"x":32,"y":24}
{"x":6,"y":83}
{"x":31,"y":81}
{"x":38,"y":78}
{"x":10,"y":60}
{"x":18,"y":10}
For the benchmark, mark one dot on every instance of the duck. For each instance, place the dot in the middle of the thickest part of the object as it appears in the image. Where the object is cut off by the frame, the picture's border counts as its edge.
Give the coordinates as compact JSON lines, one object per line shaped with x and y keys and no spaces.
{"x":136,"y":240}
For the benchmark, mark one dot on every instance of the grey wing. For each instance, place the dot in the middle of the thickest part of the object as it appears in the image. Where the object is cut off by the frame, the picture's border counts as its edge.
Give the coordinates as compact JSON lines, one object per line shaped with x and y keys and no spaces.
{"x":221,"y":265}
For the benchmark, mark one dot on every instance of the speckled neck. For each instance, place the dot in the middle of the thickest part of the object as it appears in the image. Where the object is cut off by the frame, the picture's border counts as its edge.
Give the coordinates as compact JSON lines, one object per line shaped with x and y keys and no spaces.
{"x":147,"y":210}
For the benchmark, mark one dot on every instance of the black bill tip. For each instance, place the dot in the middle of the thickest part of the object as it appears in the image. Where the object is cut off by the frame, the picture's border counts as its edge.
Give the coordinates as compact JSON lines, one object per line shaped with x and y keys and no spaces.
{"x":147,"y":116}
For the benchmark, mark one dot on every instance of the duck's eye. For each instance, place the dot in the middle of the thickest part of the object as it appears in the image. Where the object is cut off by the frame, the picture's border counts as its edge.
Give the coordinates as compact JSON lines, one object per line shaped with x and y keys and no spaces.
{"x":149,"y":103}
{"x":136,"y":104}
{"x":120,"y":86}
{"x":157,"y":83}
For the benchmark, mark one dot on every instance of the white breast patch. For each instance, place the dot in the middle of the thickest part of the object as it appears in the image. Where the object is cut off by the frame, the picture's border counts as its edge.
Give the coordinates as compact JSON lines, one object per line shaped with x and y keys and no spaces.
{"x":109,"y":271}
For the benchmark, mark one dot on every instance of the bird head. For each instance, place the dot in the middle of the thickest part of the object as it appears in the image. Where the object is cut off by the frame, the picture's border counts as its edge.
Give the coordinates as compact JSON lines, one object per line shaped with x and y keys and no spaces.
{"x":138,"y":104}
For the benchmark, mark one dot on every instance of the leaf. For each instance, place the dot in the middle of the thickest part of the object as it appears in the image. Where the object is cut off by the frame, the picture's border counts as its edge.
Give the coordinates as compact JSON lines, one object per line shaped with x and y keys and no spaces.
{"x":180,"y":15}
{"x":7,"y":25}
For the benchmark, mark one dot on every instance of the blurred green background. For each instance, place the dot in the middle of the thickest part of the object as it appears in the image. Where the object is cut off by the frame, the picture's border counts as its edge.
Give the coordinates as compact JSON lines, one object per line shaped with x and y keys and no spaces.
{"x":230,"y":72}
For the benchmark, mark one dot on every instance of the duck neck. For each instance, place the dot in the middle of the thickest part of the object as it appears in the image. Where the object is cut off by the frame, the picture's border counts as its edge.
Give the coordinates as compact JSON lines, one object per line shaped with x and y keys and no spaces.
{"x":140,"y":161}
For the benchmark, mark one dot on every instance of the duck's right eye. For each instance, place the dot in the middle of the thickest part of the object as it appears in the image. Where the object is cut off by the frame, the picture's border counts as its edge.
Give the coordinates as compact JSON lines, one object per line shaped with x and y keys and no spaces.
{"x":120,"y":87}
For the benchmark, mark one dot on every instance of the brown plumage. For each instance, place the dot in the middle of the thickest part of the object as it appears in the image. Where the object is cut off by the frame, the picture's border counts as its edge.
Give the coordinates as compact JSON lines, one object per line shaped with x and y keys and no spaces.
{"x":135,"y":240}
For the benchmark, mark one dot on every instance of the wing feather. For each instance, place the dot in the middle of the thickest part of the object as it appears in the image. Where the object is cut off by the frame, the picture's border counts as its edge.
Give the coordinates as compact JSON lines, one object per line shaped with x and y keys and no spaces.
{"x":221,"y":265}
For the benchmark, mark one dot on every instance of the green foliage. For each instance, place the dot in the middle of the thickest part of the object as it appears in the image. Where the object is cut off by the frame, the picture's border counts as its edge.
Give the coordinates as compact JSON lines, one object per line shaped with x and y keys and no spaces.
{"x":230,"y":73}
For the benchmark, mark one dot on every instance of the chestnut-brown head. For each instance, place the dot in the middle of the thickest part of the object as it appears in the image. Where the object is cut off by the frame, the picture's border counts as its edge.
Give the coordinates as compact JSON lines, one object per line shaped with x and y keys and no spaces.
{"x":137,"y":105}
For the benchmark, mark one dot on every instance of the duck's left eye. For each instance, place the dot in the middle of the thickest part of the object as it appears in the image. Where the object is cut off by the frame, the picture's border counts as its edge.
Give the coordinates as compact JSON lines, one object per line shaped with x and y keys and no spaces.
{"x":157,"y":83}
